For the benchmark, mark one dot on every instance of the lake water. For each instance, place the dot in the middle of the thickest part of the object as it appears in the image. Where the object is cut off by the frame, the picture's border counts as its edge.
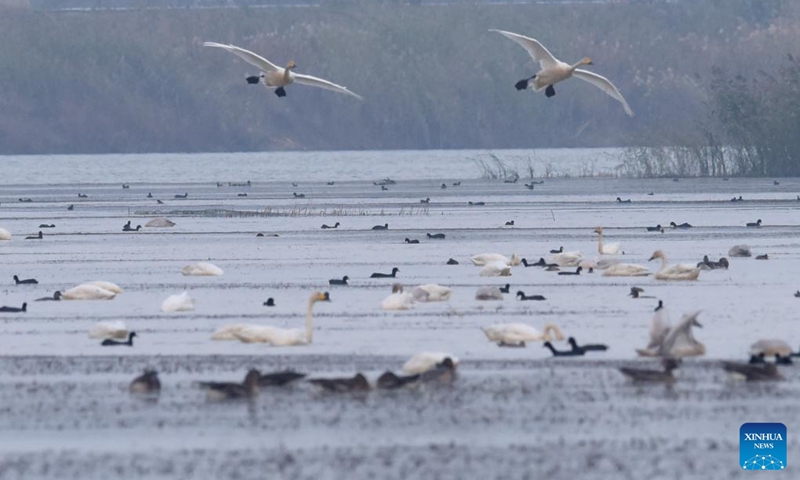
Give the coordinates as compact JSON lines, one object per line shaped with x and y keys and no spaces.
{"x":513,"y":413}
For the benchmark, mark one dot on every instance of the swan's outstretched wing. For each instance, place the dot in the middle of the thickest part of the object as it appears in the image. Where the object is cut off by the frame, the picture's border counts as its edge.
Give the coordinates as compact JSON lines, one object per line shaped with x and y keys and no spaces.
{"x":248,"y":56}
{"x":680,"y":342}
{"x":318,"y":82}
{"x":535,"y":49}
{"x":659,"y":329}
{"x":603,"y":84}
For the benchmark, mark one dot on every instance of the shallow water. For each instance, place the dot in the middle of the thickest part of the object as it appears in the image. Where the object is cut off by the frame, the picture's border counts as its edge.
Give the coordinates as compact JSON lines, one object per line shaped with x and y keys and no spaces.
{"x":513,"y":412}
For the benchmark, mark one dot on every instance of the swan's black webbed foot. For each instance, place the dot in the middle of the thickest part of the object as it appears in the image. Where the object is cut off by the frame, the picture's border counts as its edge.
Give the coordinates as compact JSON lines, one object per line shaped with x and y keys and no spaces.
{"x":550,"y":91}
{"x":252,"y":80}
{"x":523,"y":84}
{"x":280,"y":92}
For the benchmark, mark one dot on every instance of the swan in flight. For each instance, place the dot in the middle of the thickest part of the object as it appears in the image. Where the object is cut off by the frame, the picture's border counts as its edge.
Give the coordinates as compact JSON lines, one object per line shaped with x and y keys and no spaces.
{"x":679,"y":271}
{"x":554,"y":71}
{"x":276,"y":77}
{"x":249,"y":333}
{"x":680,"y":342}
{"x":516,"y":334}
{"x":607,"y":248}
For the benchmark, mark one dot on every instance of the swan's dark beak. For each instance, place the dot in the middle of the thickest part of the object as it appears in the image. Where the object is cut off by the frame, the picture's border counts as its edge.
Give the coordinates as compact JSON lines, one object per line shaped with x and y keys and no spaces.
{"x":696,"y":323}
{"x":651,"y":258}
{"x":590,"y":63}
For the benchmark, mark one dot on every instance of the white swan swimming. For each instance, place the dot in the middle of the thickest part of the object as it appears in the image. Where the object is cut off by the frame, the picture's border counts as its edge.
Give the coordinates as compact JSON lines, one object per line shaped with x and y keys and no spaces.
{"x":626,"y":270}
{"x":516,"y":334}
{"x":250,"y":333}
{"x":424,"y":361}
{"x":659,"y":329}
{"x":5,"y":234}
{"x":87,"y":291}
{"x":111,"y":287}
{"x":160,"y":222}
{"x":201,"y":269}
{"x":276,"y":77}
{"x":114,"y":329}
{"x":679,"y":271}
{"x":553,"y":71}
{"x":398,"y":300}
{"x":180,"y":302}
{"x":739,"y":251}
{"x":431,"y":292}
{"x":485,"y":258}
{"x":608,"y":248}
{"x":567,"y":259}
{"x":495,"y":269}
{"x":489,"y":293}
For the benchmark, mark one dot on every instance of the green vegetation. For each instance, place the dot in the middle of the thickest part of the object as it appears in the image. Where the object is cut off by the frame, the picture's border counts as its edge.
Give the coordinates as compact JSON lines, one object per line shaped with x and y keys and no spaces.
{"x":432,"y":76}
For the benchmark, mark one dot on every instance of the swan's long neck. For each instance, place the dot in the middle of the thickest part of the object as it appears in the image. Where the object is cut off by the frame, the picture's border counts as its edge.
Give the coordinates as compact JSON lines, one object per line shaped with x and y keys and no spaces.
{"x":310,"y":320}
{"x":287,"y":75}
{"x":600,"y":243}
{"x":577,"y":65}
{"x":551,"y":327}
{"x":663,"y":262}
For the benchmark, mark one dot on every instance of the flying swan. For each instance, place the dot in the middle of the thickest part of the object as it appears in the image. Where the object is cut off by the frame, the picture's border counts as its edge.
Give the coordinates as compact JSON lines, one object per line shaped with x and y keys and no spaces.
{"x":554,"y":71}
{"x":276,"y":77}
{"x":249,"y":333}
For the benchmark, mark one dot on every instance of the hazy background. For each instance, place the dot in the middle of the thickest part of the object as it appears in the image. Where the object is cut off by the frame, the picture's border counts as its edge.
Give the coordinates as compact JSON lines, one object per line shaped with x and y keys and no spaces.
{"x":138,"y":80}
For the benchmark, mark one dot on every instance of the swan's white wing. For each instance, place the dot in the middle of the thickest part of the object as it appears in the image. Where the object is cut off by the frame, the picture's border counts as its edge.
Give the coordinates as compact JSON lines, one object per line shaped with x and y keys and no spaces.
{"x":535,"y":49}
{"x":603,"y":84}
{"x":318,"y":82}
{"x":248,"y":56}
{"x":659,"y":329}
{"x":680,"y":341}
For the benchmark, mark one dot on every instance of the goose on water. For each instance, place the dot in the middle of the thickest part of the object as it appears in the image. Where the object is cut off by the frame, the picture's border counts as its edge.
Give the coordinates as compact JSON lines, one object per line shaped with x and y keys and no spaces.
{"x":386,"y":275}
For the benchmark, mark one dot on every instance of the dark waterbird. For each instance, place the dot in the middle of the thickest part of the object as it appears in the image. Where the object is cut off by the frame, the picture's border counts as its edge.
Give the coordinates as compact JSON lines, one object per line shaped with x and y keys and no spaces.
{"x":335,"y":225}
{"x":562,"y":353}
{"x":756,"y":224}
{"x":298,"y":195}
{"x":241,"y":194}
{"x":436,"y":236}
{"x":336,"y":281}
{"x":589,"y":347}
{"x":390,"y":381}
{"x":44,"y":225}
{"x":386,"y":275}
{"x":114,"y":343}
{"x":559,"y":250}
{"x":358,"y":383}
{"x":797,"y":294}
{"x":539,"y":263}
{"x":506,"y":289}
{"x":477,"y":204}
{"x":127,"y":228}
{"x":28,"y":281}
{"x":232,"y":390}
{"x":270,"y":302}
{"x":81,"y":195}
{"x":642,"y":375}
{"x":25,"y":200}
{"x":456,"y":184}
{"x":385,"y":226}
{"x":149,"y":195}
{"x":636,"y":291}
{"x":444,"y":372}
{"x":711,"y":265}
{"x":408,"y":240}
{"x":762,"y":257}
{"x":682,"y":225}
{"x":56,"y":297}
{"x":279,"y":379}
{"x":427,"y":200}
{"x":383,"y":188}
{"x":184,"y":196}
{"x":159,"y":202}
{"x":510,"y":223}
{"x":71,"y":207}
{"x":753,"y":373}
{"x":452,"y":261}
{"x":529,"y":186}
{"x":576,"y":272}
{"x":5,"y":309}
{"x":35,"y":237}
{"x":619,"y":200}
{"x":521,"y":295}
{"x":443,"y":186}
{"x":146,"y":383}
{"x":657,"y":228}
{"x":331,"y":183}
{"x":125,"y":186}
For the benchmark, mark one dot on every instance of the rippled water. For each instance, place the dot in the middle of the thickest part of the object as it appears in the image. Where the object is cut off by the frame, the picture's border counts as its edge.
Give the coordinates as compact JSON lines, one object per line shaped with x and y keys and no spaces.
{"x":513,"y":412}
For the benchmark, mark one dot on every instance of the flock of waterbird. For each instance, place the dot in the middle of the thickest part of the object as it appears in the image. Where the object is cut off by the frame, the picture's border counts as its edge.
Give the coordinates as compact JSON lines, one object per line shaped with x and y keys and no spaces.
{"x":551,"y":72}
{"x":669,"y":342}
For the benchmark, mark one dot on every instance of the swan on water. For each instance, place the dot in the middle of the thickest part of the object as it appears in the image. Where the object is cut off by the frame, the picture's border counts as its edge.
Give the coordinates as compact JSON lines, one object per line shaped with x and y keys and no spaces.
{"x":485,"y":258}
{"x":431,"y":292}
{"x":5,"y":234}
{"x":180,"y":302}
{"x":160,"y":222}
{"x":277,"y":78}
{"x":678,"y":271}
{"x":423,"y":361}
{"x":201,"y":269}
{"x":87,"y":291}
{"x":626,"y":270}
{"x":109,"y":329}
{"x":495,"y":269}
{"x":567,"y":259}
{"x":608,"y":248}
{"x":553,"y":71}
{"x":398,"y":300}
{"x":516,"y":334}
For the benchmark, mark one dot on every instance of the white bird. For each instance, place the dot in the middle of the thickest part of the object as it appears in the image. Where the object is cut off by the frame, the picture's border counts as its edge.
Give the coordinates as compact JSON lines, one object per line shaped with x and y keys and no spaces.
{"x":276,"y":77}
{"x":567,"y":259}
{"x":680,"y":342}
{"x":109,"y":329}
{"x":489,"y":293}
{"x":87,"y":291}
{"x":679,"y":271}
{"x":5,"y":234}
{"x":739,"y":251}
{"x":160,"y":222}
{"x":772,"y":347}
{"x":485,"y":258}
{"x":600,"y":263}
{"x":180,"y":302}
{"x":609,"y":248}
{"x":626,"y":270}
{"x":431,"y":292}
{"x":250,"y":333}
{"x":424,"y":361}
{"x":553,"y":71}
{"x":200,"y":269}
{"x":516,"y":334}
{"x":658,"y":332}
{"x":398,"y":300}
{"x":495,"y":269}
{"x":111,"y":287}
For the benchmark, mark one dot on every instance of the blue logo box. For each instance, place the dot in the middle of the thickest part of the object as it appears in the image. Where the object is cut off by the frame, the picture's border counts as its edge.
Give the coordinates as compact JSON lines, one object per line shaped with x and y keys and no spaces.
{"x":762,"y":446}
